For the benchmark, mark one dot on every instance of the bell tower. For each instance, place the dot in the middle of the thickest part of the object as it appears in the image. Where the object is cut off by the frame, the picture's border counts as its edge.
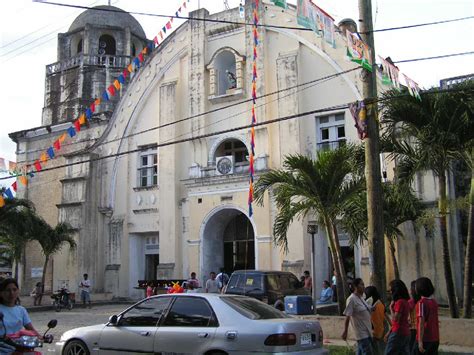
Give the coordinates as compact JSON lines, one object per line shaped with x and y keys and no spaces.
{"x":99,"y":45}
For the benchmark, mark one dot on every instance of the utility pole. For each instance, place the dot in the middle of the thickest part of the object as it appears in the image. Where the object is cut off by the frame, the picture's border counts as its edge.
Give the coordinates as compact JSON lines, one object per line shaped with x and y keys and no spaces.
{"x":372,"y":159}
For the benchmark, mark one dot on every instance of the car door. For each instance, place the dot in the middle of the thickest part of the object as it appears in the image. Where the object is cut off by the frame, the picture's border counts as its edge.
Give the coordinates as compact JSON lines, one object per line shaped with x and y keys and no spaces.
{"x":135,"y":329}
{"x":189,"y":326}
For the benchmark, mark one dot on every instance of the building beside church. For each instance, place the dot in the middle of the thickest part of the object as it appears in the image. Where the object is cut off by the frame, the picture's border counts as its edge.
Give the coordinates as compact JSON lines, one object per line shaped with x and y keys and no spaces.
{"x":146,"y":207}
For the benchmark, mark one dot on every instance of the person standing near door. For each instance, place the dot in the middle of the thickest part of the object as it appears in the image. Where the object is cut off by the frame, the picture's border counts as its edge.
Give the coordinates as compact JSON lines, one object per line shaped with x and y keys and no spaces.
{"x":212,"y":286}
{"x":85,"y":287}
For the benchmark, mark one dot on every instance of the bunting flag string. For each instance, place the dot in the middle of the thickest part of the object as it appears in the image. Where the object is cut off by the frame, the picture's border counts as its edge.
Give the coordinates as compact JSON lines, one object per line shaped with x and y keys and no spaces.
{"x":254,"y":101}
{"x":50,"y":153}
{"x":413,"y":87}
{"x":390,"y":73}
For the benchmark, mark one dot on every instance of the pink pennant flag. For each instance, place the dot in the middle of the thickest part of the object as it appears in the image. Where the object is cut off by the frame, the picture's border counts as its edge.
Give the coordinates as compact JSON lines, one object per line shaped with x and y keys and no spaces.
{"x":168,"y":25}
{"x":57,"y":144}
{"x":14,"y":186}
{"x":156,"y":40}
{"x":37,"y":165}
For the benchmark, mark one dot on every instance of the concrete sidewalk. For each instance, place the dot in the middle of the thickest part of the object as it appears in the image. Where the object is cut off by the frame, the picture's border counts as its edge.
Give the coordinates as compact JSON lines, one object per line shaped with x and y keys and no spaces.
{"x":47,"y":302}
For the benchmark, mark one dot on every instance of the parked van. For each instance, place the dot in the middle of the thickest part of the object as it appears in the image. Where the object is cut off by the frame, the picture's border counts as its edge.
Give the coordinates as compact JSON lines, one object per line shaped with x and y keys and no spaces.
{"x":268,"y":286}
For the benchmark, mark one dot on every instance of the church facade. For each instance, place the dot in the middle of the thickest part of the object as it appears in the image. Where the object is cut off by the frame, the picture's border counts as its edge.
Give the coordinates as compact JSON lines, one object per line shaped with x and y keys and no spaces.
{"x":156,"y":185}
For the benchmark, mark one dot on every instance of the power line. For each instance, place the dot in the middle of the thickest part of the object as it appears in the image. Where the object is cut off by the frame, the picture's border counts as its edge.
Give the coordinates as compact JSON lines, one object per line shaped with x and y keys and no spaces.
{"x":246,"y":23}
{"x":315,"y":81}
{"x":420,"y":24}
{"x":435,"y":57}
{"x":239,"y":128}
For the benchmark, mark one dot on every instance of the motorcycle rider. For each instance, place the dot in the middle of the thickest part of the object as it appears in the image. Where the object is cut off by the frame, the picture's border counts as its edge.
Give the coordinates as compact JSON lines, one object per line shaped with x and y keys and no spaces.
{"x":15,"y":317}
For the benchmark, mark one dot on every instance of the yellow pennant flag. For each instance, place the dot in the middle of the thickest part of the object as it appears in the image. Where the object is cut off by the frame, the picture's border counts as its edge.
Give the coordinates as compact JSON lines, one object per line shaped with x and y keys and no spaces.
{"x":23,"y":180}
{"x":62,"y":137}
{"x":82,"y":119}
{"x":2,"y":201}
{"x":97,"y":102}
{"x":43,"y":157}
{"x":130,"y":68}
{"x":117,"y":84}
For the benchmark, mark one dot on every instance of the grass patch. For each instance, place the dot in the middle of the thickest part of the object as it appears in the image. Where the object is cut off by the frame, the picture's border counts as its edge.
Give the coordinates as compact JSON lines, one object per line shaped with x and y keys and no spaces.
{"x":344,"y":350}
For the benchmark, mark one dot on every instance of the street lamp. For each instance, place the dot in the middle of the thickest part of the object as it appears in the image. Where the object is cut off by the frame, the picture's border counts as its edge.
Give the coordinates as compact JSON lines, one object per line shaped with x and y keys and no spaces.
{"x":313,"y":229}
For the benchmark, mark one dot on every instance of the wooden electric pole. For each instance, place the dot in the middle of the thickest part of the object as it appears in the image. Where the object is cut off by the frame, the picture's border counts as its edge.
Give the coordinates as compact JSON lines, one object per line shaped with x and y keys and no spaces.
{"x":372,"y":159}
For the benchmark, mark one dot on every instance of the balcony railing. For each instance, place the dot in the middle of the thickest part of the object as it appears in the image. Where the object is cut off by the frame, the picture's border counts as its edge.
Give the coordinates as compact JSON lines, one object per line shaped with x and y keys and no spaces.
{"x":330,"y":145}
{"x":108,"y":61}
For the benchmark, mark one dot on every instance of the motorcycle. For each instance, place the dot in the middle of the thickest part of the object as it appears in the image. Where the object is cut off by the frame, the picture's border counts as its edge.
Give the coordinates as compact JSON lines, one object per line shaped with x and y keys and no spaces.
{"x":25,"y":341}
{"x":62,"y":298}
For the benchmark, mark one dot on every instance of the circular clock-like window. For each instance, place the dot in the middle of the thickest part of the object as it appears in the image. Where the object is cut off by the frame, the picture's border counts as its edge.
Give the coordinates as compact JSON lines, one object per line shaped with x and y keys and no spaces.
{"x":224,"y":166}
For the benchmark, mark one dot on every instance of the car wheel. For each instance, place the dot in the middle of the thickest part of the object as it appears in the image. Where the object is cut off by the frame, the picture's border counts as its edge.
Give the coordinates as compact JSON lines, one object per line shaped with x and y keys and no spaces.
{"x":76,"y":347}
{"x":216,"y":352}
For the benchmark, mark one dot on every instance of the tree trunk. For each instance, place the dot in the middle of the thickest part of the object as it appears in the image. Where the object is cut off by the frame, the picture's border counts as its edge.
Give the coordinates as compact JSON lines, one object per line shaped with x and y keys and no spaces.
{"x":340,"y":280}
{"x":442,"y":205}
{"x":345,"y":287}
{"x":43,"y":277}
{"x":396,"y":270}
{"x":375,"y":228}
{"x":468,"y":261}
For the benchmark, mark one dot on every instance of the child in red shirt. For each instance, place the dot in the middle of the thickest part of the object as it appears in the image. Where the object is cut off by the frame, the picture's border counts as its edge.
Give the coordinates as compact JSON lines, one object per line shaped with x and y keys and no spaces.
{"x":398,"y":337}
{"x":427,"y":325}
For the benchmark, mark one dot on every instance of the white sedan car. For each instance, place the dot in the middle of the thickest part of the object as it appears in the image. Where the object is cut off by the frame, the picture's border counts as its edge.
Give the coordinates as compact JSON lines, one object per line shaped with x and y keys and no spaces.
{"x":196,"y":324}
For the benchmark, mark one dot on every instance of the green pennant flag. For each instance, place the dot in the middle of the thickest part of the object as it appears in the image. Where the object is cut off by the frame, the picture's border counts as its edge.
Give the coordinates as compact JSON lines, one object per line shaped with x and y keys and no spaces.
{"x":281,"y":3}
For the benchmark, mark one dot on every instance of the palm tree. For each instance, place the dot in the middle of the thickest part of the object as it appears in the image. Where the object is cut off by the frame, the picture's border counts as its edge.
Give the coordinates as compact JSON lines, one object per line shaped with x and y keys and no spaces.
{"x":16,"y":227}
{"x":429,"y":135}
{"x":304,"y":187}
{"x":52,"y":240}
{"x":399,"y":205}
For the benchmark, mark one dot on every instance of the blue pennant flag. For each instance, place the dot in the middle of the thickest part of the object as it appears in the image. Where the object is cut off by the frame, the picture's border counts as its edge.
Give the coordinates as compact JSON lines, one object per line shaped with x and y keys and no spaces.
{"x":72,"y":131}
{"x":50,"y":152}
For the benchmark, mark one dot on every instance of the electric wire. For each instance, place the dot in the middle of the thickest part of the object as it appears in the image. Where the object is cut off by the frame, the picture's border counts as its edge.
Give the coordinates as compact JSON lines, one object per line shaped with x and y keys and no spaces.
{"x":315,"y":81}
{"x":435,"y":57}
{"x":248,"y":23}
{"x":239,"y":128}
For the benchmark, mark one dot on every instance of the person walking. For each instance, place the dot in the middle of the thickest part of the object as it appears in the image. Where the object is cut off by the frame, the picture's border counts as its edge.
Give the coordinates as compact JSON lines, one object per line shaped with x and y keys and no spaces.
{"x":222,"y":279}
{"x":427,"y":325}
{"x":37,"y":294}
{"x":308,"y":281}
{"x":85,"y":287}
{"x":378,"y":318}
{"x":212,"y":286}
{"x":398,"y":337}
{"x":149,"y":290}
{"x":334,"y":286}
{"x":358,"y":313}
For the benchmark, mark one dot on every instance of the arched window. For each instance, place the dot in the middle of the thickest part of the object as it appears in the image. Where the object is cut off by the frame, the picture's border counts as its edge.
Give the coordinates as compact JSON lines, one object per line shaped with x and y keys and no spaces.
{"x":106,"y":45}
{"x":235,"y":148}
{"x":226,"y":74}
{"x":225,"y":71}
{"x":79,"y":47}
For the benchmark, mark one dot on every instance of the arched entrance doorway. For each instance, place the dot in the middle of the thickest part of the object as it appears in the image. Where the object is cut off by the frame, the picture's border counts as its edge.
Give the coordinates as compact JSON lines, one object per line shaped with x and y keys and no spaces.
{"x":228,"y":240}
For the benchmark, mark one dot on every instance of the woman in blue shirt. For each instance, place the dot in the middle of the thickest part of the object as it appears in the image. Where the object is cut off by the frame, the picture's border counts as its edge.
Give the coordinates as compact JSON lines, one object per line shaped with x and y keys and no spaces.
{"x":15,"y":317}
{"x":326,"y":293}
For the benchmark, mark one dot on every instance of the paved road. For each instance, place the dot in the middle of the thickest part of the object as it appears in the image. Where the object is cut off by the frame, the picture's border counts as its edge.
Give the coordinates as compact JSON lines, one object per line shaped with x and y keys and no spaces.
{"x":77,"y":317}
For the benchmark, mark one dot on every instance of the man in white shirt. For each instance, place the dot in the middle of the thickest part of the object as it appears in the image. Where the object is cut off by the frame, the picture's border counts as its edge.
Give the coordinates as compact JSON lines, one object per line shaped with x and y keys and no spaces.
{"x":212,"y":285}
{"x":358,"y":313}
{"x":85,"y":287}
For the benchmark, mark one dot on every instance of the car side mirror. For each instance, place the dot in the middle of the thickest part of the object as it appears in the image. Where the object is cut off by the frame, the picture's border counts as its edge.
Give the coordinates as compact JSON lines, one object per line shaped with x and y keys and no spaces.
{"x":52,"y":323}
{"x":113,"y":320}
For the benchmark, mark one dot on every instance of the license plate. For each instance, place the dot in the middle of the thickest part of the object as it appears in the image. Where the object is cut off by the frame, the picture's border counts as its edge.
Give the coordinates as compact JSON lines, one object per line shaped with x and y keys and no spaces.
{"x":305,"y":339}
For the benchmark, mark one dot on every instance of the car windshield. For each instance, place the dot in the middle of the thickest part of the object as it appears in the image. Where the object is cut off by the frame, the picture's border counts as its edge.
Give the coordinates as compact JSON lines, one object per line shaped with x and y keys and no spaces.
{"x":252,"y":308}
{"x":248,"y":282}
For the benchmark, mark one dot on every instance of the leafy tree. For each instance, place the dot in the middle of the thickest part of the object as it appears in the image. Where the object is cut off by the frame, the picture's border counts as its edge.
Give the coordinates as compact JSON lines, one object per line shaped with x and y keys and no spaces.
{"x":429,"y":135}
{"x":16,"y":227}
{"x":52,"y":240}
{"x":399,"y":205}
{"x":323,"y":187}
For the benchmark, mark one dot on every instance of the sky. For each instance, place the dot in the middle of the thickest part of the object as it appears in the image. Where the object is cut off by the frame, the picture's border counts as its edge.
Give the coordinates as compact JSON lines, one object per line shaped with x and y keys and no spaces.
{"x":28,"y":42}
